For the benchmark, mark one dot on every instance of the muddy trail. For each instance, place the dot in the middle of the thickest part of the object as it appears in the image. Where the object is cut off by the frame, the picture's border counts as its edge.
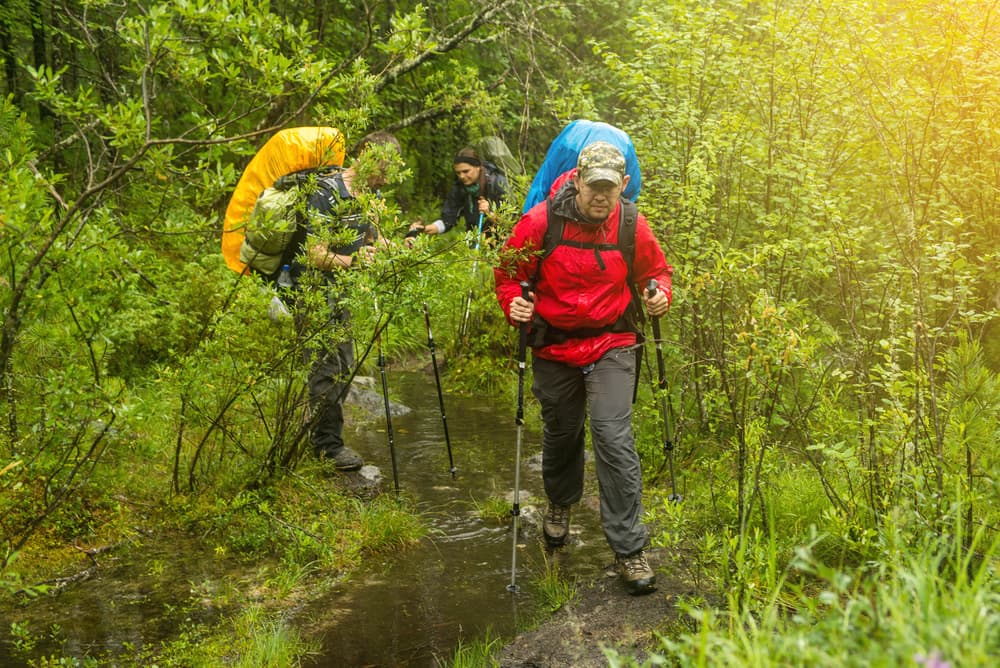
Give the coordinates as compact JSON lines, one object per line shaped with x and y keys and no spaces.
{"x":601,"y":615}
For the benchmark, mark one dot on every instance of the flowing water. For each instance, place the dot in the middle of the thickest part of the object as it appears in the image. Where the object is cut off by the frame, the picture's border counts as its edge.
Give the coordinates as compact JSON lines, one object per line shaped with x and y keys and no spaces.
{"x":411,"y":608}
{"x":454,"y":585}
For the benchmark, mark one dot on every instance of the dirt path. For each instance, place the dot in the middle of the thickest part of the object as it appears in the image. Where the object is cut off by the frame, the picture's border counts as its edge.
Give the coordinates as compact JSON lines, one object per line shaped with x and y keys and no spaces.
{"x":602,"y":614}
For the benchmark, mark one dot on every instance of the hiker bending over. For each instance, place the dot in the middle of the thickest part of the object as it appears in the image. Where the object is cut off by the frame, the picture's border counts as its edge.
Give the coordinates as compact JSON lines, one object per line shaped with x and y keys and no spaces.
{"x":583,"y":316}
{"x":335,"y":212}
{"x":475,"y":196}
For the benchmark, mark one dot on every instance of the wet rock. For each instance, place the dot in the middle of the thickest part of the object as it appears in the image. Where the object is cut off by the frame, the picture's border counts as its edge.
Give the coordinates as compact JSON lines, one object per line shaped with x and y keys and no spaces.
{"x":364,"y":396}
{"x":592,"y":502}
{"x":530,"y":518}
{"x":366,"y":483}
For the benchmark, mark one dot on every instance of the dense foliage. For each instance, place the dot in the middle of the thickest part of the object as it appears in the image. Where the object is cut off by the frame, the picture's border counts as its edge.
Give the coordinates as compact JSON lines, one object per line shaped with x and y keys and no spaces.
{"x":822,"y":176}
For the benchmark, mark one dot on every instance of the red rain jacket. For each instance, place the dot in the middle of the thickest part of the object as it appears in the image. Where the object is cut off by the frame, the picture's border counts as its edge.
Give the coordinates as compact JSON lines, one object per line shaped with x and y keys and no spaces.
{"x":573,"y":291}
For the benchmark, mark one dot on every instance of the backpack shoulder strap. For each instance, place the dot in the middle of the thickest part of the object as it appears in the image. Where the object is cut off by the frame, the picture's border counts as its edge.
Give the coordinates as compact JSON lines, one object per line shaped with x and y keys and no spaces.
{"x":553,"y":230}
{"x":627,"y":224}
{"x":626,"y":232}
{"x":553,"y":235}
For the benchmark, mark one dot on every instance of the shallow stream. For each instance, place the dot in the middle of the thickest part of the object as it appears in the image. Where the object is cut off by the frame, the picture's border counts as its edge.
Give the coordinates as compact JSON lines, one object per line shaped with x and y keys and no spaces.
{"x":408,"y":609}
{"x":454,"y":585}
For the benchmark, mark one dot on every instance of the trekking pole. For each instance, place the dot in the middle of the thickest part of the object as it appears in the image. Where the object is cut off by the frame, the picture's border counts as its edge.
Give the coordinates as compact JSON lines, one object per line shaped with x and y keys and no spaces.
{"x":388,"y":413}
{"x":475,"y":265}
{"x":437,"y":381}
{"x":515,"y":511}
{"x":668,"y":445}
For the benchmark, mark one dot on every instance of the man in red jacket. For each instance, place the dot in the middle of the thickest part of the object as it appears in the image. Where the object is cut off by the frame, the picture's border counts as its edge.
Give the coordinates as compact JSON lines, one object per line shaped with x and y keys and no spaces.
{"x":583,"y":322}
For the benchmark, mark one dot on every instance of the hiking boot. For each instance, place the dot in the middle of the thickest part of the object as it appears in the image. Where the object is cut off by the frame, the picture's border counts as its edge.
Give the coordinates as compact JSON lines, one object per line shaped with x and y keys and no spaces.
{"x":637,"y":576}
{"x":343,"y":458}
{"x":556,"y":525}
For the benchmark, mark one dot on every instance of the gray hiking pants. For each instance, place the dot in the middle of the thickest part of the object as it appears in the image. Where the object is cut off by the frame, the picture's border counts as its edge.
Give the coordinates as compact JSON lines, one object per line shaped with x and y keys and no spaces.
{"x":566,"y":393}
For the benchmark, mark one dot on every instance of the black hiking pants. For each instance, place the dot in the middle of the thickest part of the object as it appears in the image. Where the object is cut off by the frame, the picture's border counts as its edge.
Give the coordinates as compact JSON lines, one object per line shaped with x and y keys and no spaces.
{"x":331,"y":367}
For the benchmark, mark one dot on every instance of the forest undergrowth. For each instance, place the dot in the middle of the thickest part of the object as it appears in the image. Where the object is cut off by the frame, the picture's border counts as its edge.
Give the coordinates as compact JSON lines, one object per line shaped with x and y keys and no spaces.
{"x":821,"y":175}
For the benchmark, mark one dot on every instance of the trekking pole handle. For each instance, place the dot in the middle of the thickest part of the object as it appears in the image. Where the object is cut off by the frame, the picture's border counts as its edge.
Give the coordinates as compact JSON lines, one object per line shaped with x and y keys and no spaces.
{"x":526,"y":296}
{"x":479,"y":229}
{"x":651,"y":288}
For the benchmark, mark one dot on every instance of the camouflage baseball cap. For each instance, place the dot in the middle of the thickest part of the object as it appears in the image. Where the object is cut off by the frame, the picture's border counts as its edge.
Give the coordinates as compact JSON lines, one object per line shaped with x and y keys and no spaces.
{"x":601,"y":161}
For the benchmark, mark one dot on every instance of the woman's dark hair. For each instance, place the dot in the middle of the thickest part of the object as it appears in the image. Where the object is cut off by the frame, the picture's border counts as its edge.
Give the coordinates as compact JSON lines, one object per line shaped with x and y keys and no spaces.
{"x":469,"y":156}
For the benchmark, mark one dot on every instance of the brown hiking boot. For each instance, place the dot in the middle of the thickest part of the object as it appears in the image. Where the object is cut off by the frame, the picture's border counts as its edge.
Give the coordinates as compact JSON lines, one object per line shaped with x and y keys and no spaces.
{"x":637,"y":576}
{"x":556,"y":525}
{"x":343,"y":458}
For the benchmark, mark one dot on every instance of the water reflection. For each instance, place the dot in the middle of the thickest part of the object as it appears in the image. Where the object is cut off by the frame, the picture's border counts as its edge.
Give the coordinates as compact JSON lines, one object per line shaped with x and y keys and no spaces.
{"x":407,"y":609}
{"x":415,"y":609}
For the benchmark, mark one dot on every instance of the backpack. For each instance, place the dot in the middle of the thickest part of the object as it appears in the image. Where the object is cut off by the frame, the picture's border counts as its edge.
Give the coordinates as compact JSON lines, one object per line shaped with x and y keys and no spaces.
{"x":493,"y":149}
{"x":632,"y":319}
{"x":562,"y":154}
{"x":270,"y":229}
{"x":261,"y":216}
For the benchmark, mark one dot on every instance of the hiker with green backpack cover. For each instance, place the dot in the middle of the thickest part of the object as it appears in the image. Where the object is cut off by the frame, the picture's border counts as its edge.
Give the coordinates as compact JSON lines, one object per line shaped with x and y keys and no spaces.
{"x":583,"y":316}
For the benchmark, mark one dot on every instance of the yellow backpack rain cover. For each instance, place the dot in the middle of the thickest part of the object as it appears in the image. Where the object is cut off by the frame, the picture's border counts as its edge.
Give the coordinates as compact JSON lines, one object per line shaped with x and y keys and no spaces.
{"x":289,"y":150}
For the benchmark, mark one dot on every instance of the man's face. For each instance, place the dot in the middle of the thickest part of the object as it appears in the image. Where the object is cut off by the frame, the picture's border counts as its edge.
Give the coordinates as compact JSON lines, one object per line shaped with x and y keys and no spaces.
{"x":370,"y":168}
{"x":597,"y":200}
{"x":466,"y":173}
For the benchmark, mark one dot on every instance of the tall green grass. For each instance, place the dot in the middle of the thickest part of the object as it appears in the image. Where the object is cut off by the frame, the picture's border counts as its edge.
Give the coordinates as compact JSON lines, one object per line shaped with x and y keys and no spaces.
{"x":928,"y":600}
{"x":254,"y":637}
{"x":478,"y":653}
{"x":552,"y":590}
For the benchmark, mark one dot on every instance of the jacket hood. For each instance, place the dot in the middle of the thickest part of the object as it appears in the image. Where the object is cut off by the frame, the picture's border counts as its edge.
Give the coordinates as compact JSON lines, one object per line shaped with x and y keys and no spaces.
{"x":564,"y":205}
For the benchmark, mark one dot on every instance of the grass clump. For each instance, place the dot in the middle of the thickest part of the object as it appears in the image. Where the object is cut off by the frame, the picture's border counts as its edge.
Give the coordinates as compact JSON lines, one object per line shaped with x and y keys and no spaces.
{"x":478,"y":653}
{"x":253,"y":637}
{"x":552,"y":591}
{"x":928,"y":600}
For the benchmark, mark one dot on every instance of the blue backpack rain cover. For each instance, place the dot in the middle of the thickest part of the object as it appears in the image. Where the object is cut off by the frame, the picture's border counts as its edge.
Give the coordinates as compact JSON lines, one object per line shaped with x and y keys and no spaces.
{"x":564,"y":149}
